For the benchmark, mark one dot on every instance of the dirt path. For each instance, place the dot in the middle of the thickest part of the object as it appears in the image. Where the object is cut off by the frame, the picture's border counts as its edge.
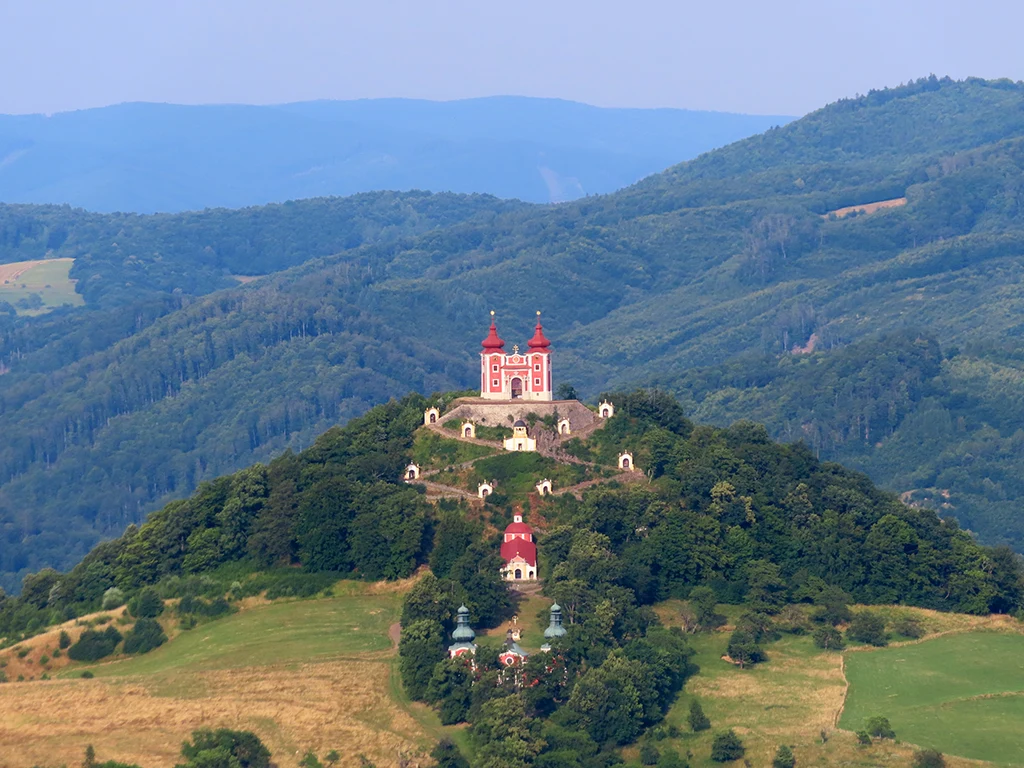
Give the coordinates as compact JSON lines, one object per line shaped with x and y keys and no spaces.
{"x":395,"y":633}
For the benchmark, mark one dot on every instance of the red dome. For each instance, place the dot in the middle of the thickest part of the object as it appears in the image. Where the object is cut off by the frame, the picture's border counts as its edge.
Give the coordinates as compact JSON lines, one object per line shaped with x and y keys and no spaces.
{"x":519,"y":548}
{"x":493,"y":342}
{"x":539,"y":342}
{"x":518,"y":528}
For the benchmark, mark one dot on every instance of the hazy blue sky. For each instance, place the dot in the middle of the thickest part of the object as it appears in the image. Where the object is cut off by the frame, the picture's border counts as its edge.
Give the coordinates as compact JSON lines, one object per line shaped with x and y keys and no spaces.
{"x":781,"y":57}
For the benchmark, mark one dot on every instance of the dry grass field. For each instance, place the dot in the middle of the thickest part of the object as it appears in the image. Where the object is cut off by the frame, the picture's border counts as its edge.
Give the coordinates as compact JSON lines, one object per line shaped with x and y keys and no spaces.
{"x":48,"y":279}
{"x":304,"y":675}
{"x":880,"y":205}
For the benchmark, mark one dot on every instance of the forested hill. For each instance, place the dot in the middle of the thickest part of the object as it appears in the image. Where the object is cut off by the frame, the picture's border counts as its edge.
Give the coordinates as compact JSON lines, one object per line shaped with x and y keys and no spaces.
{"x":168,"y":157}
{"x":725,"y":509}
{"x":739,"y":254}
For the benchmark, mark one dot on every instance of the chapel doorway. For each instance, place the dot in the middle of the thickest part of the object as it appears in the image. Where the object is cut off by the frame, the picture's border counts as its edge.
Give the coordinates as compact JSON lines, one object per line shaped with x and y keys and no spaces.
{"x":433,"y":418}
{"x":519,"y":574}
{"x":517,"y":388}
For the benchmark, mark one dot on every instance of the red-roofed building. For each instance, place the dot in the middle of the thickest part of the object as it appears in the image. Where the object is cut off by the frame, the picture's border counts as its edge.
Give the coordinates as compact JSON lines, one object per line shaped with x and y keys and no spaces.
{"x":519,"y":551}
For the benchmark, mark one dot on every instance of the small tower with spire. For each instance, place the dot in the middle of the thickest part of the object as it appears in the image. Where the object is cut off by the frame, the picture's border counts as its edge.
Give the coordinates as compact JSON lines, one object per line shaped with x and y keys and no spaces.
{"x":555,"y":629}
{"x":463,"y":635}
{"x":519,"y":375}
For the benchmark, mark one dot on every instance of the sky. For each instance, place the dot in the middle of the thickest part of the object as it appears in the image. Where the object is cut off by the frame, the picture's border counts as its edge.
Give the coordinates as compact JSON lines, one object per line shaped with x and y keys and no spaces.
{"x":785,"y":57}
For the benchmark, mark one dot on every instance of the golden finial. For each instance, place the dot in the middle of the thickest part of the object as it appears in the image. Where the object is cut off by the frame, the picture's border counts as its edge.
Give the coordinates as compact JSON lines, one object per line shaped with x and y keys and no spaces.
{"x":538,"y":314}
{"x":492,"y":314}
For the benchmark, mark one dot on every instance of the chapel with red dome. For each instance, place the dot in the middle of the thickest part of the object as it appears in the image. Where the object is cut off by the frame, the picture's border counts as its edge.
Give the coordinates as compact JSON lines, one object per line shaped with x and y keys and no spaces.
{"x":519,"y":551}
{"x":519,"y":375}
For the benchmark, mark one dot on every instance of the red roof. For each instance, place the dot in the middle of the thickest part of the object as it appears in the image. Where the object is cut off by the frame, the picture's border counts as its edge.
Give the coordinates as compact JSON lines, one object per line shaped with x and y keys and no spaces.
{"x":518,"y":528}
{"x":493,"y":342}
{"x":521,"y":547}
{"x":539,"y":342}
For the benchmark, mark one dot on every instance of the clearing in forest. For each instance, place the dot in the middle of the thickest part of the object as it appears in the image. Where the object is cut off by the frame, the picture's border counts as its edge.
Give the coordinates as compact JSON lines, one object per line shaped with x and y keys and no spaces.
{"x":35,"y":287}
{"x":962,"y":694}
{"x":880,"y":205}
{"x":316,"y":674}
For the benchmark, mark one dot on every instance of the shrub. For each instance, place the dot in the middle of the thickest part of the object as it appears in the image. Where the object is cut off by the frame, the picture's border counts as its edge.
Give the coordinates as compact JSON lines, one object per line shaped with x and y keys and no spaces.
{"x":93,"y":645}
{"x":726,"y":747}
{"x":144,"y":637}
{"x":64,"y":641}
{"x":828,"y":638}
{"x":239,"y":748}
{"x":670,"y":759}
{"x":744,"y":649}
{"x":87,"y":675}
{"x":649,"y":754}
{"x":784,"y":758}
{"x":867,"y":627}
{"x":3,"y":676}
{"x":57,"y":653}
{"x":698,"y":720}
{"x":908,"y":626}
{"x":146,"y":605}
{"x":879,"y":727}
{"x":44,"y":659}
{"x":112,"y":598}
{"x":929,"y":758}
{"x":23,"y":652}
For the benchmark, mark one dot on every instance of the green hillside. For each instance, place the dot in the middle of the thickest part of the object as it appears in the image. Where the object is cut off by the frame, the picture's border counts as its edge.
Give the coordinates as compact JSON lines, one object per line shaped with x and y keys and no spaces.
{"x":723,"y":547}
{"x":731,"y":255}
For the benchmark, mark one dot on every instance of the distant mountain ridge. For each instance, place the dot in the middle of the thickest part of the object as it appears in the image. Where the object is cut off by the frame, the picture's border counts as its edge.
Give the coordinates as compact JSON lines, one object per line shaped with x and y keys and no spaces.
{"x":144,"y":158}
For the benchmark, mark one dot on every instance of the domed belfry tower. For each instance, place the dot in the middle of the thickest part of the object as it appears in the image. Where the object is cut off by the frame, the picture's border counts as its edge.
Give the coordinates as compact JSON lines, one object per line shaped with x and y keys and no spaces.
{"x":519,"y":375}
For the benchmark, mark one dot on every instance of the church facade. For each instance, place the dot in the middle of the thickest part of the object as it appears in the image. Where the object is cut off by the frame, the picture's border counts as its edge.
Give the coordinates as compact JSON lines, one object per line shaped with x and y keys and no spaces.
{"x":519,"y":375}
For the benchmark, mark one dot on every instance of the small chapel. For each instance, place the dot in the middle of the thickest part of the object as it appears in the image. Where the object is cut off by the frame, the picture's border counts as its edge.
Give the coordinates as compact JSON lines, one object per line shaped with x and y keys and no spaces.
{"x":519,"y":551}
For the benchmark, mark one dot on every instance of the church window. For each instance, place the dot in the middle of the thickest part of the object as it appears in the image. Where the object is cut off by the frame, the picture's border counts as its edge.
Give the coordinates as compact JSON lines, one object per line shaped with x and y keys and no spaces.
{"x":494,"y":368}
{"x":536,"y":382}
{"x":536,"y":367}
{"x":494,"y":383}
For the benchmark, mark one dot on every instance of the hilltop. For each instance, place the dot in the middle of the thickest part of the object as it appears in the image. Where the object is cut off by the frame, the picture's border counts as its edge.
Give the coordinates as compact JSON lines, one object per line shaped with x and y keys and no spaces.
{"x":710,"y":543}
{"x":146,"y":158}
{"x":754,"y":252}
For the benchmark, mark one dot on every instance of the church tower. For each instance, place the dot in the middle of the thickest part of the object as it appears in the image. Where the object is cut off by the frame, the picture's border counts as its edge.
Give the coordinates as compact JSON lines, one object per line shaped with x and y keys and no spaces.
{"x":519,"y":375}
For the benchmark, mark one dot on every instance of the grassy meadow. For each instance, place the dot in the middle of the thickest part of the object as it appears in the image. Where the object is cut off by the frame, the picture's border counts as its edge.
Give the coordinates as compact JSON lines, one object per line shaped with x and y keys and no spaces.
{"x":962,"y":693}
{"x":315,"y":674}
{"x":321,"y":674}
{"x":47,"y":279}
{"x":798,"y":696}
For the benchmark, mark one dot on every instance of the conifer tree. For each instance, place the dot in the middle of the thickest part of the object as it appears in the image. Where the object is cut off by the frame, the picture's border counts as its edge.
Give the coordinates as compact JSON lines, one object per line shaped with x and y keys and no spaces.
{"x":698,"y":720}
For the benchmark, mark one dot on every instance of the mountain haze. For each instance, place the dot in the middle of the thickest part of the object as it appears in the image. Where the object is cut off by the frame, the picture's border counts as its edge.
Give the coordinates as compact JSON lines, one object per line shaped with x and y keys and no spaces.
{"x":727,"y":279}
{"x":163,"y":157}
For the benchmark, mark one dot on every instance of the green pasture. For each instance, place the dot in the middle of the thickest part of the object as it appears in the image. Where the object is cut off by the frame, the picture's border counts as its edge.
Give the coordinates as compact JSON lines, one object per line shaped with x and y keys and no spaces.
{"x":431,"y":451}
{"x":292,"y":631}
{"x":962,"y":694}
{"x":48,"y":280}
{"x":518,"y":472}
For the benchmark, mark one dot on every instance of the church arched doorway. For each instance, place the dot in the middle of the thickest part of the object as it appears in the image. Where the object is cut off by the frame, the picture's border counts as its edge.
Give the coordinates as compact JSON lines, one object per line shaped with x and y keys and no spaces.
{"x":433,"y":418}
{"x":625,"y":463}
{"x":519,"y":574}
{"x":517,"y":388}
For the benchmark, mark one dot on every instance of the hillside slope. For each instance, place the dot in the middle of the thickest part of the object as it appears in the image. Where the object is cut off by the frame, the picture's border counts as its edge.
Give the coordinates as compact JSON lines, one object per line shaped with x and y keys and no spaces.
{"x":733,"y":254}
{"x":165,"y":157}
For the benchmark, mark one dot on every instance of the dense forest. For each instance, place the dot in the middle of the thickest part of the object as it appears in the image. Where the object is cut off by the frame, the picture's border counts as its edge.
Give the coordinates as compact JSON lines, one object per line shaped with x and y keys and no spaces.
{"x":732,"y":265}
